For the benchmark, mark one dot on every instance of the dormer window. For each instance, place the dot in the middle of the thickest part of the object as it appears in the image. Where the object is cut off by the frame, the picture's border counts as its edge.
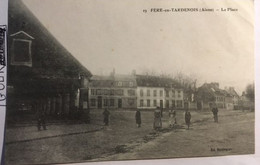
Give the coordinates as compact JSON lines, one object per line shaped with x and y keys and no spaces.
{"x":119,"y":84}
{"x":131,"y":84}
{"x":21,"y":49}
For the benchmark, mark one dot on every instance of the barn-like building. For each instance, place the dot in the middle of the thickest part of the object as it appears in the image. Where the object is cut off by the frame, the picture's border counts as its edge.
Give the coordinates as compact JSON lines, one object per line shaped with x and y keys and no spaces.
{"x":40,"y":68}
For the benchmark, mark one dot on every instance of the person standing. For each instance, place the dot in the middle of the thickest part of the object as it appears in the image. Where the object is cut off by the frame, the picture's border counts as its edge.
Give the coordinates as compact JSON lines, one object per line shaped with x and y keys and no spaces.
{"x":215,"y":113}
{"x":187,"y":118}
{"x":157,"y":119}
{"x":138,"y":118}
{"x":41,"y":114}
{"x":161,"y":111}
{"x":172,"y":118}
{"x":106,"y":114}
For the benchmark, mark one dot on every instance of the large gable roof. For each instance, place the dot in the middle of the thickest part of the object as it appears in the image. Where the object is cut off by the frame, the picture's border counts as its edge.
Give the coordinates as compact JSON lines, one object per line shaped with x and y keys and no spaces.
{"x":155,"y":81}
{"x":213,"y":88}
{"x":110,"y":81}
{"x":49,"y":57}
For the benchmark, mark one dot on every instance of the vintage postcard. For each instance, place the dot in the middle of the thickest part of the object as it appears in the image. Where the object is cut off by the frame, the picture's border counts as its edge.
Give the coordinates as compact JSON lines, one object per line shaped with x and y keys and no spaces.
{"x":92,"y":80}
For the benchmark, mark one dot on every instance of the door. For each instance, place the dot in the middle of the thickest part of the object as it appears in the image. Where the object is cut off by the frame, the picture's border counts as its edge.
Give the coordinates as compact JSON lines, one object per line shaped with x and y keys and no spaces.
{"x":186,"y":105}
{"x":119,"y":103}
{"x":199,"y":105}
{"x":99,"y":102}
{"x":161,"y":103}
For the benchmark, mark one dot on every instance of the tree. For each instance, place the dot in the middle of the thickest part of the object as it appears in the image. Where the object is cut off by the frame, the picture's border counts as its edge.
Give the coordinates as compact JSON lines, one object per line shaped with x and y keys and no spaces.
{"x":250,"y":92}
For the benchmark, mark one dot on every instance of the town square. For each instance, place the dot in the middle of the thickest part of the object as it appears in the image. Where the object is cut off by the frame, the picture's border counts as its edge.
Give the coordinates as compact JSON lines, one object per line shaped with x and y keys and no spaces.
{"x":108,"y":86}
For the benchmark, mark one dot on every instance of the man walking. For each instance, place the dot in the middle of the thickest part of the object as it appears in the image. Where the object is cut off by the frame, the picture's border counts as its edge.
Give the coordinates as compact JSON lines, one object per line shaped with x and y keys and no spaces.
{"x":41,"y":114}
{"x":187,"y":118}
{"x":215,"y":113}
{"x":106,"y":114}
{"x":138,"y":118}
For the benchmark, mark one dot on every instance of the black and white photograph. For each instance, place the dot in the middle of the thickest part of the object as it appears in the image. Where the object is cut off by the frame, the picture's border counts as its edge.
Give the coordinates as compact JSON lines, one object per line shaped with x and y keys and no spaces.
{"x":124,"y":80}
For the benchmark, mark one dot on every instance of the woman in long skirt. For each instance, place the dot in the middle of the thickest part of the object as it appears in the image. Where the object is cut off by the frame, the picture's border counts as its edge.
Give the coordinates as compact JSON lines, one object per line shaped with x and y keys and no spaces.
{"x":187,"y":118}
{"x":157,"y":119}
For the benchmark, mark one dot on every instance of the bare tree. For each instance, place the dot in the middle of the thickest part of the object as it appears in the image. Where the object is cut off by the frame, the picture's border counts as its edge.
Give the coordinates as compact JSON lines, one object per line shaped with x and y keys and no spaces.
{"x":250,"y":92}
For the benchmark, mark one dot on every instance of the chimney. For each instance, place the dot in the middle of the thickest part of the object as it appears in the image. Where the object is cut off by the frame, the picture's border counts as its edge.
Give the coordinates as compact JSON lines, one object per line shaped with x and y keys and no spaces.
{"x":134,"y":72}
{"x":113,"y":73}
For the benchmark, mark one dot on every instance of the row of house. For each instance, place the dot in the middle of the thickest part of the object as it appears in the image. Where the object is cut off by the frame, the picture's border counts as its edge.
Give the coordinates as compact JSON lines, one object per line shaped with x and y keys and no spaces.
{"x":210,"y":94}
{"x":149,"y":92}
{"x":133,"y":91}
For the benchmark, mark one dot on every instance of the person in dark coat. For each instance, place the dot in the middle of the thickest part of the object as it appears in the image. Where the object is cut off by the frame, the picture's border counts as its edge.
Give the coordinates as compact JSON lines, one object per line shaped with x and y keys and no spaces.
{"x":106,"y":114}
{"x":187,"y":118}
{"x":157,"y":124}
{"x":215,"y":113}
{"x":138,"y":118}
{"x":41,"y":114}
{"x":161,"y":111}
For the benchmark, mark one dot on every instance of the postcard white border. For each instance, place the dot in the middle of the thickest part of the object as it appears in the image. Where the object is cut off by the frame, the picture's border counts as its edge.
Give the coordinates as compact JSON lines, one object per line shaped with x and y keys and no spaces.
{"x":231,"y":160}
{"x":3,"y":21}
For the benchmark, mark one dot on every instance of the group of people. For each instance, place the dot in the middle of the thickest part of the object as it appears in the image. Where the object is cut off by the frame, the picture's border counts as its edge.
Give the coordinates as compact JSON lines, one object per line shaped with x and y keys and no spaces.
{"x":157,"y":124}
{"x":172,"y":118}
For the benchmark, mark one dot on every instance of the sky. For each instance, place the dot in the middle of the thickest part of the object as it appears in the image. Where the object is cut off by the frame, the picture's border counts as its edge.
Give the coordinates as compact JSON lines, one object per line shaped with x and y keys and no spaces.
{"x":102,"y":35}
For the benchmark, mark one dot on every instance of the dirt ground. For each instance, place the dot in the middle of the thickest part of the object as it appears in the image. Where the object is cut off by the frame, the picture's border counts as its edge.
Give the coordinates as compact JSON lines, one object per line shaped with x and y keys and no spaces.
{"x":234,"y":134}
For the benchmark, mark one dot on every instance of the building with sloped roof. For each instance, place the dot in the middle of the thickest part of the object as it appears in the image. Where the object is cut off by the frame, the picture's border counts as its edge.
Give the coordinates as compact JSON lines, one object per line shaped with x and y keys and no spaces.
{"x":235,"y":97}
{"x":39,"y":67}
{"x":210,"y":94}
{"x":156,"y":91}
{"x":113,"y":92}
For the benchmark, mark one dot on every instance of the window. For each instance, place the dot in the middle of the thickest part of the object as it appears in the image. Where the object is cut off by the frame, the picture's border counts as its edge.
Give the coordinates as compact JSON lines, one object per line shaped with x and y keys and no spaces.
{"x":161,"y":93}
{"x":106,"y":92}
{"x":99,"y":92}
{"x":148,"y":103}
{"x":167,"y":93}
{"x":105,"y":102}
{"x":112,"y":102}
{"x":155,"y":103}
{"x":21,"y":52}
{"x":92,"y":91}
{"x":179,"y":103}
{"x":167,"y":104}
{"x":131,"y":92}
{"x":141,"y":103}
{"x":154,"y":92}
{"x":179,"y":94}
{"x":84,"y":95}
{"x":131,"y":84}
{"x":119,"y":92}
{"x":173,"y":93}
{"x":112,"y":92}
{"x":93,"y":102}
{"x":148,"y":92}
{"x":141,"y":92}
{"x":173,"y":104}
{"x":131,"y":102}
